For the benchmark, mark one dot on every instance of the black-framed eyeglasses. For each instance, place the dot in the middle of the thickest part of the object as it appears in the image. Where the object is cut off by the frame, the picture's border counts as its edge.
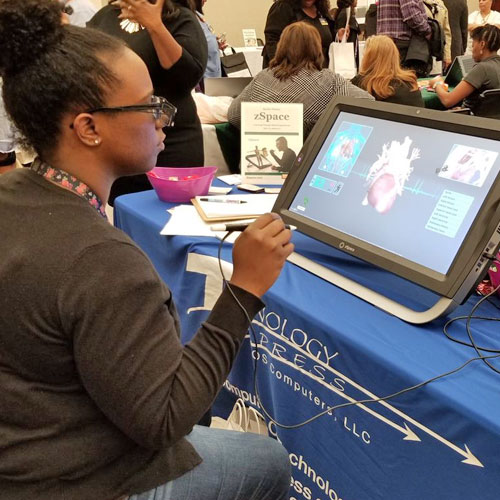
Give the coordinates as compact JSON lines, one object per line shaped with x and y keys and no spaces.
{"x":162,"y":110}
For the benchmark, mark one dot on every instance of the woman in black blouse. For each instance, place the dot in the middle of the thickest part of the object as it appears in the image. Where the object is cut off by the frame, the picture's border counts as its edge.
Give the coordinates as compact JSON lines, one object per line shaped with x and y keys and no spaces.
{"x":285,"y":12}
{"x":168,"y":38}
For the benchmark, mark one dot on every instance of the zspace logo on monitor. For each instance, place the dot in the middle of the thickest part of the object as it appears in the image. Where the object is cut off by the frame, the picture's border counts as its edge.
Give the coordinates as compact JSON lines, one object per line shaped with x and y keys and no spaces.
{"x":344,"y":246}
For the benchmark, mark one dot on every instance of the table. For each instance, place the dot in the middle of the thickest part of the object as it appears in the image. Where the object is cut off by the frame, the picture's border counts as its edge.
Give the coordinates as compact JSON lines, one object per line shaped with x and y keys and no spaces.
{"x":431,"y":100}
{"x":253,"y":56}
{"x":319,"y":346}
{"x":214,"y":155}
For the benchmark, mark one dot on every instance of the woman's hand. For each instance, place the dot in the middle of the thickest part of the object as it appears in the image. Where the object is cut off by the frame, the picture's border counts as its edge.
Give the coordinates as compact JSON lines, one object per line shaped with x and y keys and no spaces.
{"x":259,"y":254}
{"x":141,"y":11}
{"x":222,"y":43}
{"x":343,"y":32}
{"x":435,"y":81}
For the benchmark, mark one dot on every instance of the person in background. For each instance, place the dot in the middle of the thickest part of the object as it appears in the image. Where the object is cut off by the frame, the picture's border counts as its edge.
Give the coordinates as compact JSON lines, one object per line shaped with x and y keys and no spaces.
{"x":399,"y":21}
{"x":481,"y":17}
{"x":371,"y":20}
{"x":285,"y":12}
{"x":99,"y":397}
{"x":485,"y":15}
{"x":79,"y":11}
{"x":213,"y":63}
{"x":382,"y":76}
{"x":483,"y":76}
{"x":169,"y":39}
{"x":339,"y":16}
{"x":458,"y":13}
{"x":296,"y":74}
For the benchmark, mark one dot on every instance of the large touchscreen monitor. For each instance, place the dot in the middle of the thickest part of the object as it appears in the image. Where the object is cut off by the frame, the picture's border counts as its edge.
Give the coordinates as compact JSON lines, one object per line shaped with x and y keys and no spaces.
{"x":411,"y":190}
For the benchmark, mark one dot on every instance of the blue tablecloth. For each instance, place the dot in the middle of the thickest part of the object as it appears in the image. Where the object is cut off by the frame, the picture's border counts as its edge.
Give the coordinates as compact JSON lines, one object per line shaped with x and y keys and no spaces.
{"x":320,"y":346}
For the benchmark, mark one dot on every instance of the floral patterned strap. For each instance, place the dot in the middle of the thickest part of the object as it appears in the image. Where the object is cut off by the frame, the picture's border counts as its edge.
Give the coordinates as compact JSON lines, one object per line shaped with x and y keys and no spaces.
{"x":69,"y":182}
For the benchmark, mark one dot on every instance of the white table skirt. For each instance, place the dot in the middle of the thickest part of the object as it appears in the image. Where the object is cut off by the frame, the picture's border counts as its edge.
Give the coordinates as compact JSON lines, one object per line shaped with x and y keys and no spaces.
{"x":213,"y":153}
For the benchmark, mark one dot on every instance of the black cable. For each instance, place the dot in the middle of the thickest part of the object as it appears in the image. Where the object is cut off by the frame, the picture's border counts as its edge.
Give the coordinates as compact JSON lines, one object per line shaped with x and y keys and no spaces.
{"x":469,"y":333}
{"x":467,"y":344}
{"x":331,"y":409}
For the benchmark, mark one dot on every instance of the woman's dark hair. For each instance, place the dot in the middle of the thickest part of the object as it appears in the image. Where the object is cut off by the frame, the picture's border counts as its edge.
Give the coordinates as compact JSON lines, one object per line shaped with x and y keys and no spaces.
{"x":49,"y":69}
{"x":323,"y":6}
{"x":341,"y":5}
{"x":489,"y":34}
{"x":344,"y":4}
{"x":199,"y":5}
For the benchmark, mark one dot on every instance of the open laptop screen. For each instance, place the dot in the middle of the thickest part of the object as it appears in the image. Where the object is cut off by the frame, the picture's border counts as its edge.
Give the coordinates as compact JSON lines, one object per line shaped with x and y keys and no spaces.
{"x":460,"y":67}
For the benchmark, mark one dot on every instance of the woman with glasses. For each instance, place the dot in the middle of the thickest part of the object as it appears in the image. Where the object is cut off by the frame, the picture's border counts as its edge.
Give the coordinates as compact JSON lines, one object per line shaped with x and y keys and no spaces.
{"x":167,"y":36}
{"x":98,"y":396}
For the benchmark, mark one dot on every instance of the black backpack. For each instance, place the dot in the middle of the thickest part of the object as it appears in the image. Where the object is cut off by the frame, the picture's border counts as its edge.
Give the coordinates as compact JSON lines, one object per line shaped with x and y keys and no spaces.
{"x":437,"y":40}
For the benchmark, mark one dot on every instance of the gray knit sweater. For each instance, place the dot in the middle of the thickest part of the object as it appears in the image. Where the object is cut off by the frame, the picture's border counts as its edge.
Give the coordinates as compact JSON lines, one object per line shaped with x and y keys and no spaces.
{"x":96,"y":390}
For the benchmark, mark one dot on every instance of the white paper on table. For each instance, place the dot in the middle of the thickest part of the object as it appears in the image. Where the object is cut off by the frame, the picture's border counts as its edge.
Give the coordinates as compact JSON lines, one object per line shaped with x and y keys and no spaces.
{"x":185,"y":221}
{"x":219,"y":190}
{"x":232,"y":179}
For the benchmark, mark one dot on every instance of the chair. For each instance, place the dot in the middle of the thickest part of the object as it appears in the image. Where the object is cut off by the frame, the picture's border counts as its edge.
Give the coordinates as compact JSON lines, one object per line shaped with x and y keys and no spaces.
{"x":488,"y":104}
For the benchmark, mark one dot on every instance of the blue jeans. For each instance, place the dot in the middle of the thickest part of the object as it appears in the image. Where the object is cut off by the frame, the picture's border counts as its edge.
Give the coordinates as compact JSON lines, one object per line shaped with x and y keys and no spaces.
{"x":236,"y":466}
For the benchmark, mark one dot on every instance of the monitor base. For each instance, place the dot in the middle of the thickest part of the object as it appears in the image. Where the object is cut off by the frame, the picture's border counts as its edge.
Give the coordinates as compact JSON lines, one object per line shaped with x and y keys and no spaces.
{"x":443,"y":306}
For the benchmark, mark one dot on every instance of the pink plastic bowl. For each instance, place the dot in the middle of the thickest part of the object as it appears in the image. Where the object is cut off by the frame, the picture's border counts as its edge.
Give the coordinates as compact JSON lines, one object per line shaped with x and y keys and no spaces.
{"x":181,"y":190}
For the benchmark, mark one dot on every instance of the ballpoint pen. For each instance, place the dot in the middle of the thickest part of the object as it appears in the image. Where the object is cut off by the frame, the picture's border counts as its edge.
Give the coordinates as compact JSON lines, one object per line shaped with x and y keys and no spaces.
{"x":223,"y":200}
{"x":239,"y":226}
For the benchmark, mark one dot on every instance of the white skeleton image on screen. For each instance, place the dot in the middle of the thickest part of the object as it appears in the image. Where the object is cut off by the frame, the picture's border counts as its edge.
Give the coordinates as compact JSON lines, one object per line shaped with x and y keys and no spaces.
{"x":389,"y":173}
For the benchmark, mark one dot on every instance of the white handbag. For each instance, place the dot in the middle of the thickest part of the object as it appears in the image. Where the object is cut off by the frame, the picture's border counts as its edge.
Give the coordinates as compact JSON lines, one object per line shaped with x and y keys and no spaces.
{"x":242,"y":419}
{"x":341,"y":54}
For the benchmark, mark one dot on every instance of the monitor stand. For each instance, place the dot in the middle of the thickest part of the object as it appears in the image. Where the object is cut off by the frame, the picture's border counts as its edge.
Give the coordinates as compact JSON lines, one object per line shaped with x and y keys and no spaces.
{"x":443,"y":306}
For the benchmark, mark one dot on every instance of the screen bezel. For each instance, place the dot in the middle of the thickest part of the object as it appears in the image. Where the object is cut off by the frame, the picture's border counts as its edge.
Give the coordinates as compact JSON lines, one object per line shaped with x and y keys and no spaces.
{"x":478,"y":235}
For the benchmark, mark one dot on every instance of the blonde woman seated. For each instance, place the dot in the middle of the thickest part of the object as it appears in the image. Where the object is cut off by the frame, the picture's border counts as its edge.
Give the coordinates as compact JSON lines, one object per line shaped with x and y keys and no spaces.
{"x":296,"y":74}
{"x":382,"y":76}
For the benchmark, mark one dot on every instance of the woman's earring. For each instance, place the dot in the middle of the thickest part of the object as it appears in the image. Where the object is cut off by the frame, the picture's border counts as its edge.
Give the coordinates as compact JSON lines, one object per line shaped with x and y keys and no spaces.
{"x":96,"y":141}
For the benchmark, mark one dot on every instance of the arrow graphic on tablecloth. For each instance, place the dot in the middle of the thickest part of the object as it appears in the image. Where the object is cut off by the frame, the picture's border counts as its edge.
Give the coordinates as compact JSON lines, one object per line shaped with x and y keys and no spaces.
{"x":469,"y":457}
{"x":406,"y":431}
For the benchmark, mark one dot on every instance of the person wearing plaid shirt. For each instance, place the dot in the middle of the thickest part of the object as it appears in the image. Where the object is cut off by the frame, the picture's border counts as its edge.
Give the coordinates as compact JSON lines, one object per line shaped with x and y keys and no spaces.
{"x":399,"y":19}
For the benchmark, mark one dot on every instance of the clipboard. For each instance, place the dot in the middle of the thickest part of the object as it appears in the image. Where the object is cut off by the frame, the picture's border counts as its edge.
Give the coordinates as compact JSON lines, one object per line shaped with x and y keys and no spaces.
{"x":226,"y":209}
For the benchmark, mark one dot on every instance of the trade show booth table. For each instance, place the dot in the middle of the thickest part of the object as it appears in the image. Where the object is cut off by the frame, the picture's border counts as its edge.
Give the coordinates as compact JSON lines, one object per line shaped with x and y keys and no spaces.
{"x":319,"y":346}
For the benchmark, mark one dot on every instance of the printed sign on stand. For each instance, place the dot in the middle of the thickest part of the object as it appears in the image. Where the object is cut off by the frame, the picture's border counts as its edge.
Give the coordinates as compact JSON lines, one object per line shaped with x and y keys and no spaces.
{"x":271,"y":137}
{"x":249,"y":37}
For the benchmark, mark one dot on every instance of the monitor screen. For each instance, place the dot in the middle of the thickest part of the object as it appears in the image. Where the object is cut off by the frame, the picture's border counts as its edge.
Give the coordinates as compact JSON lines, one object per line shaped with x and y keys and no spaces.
{"x":407,"y":189}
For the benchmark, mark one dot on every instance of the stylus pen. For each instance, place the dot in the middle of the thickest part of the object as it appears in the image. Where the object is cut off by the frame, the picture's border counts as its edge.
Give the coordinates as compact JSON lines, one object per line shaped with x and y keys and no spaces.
{"x":237,"y":226}
{"x":222,"y":200}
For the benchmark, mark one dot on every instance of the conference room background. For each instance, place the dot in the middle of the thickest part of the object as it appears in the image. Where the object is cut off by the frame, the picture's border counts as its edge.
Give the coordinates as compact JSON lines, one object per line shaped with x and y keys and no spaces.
{"x":231,"y":16}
